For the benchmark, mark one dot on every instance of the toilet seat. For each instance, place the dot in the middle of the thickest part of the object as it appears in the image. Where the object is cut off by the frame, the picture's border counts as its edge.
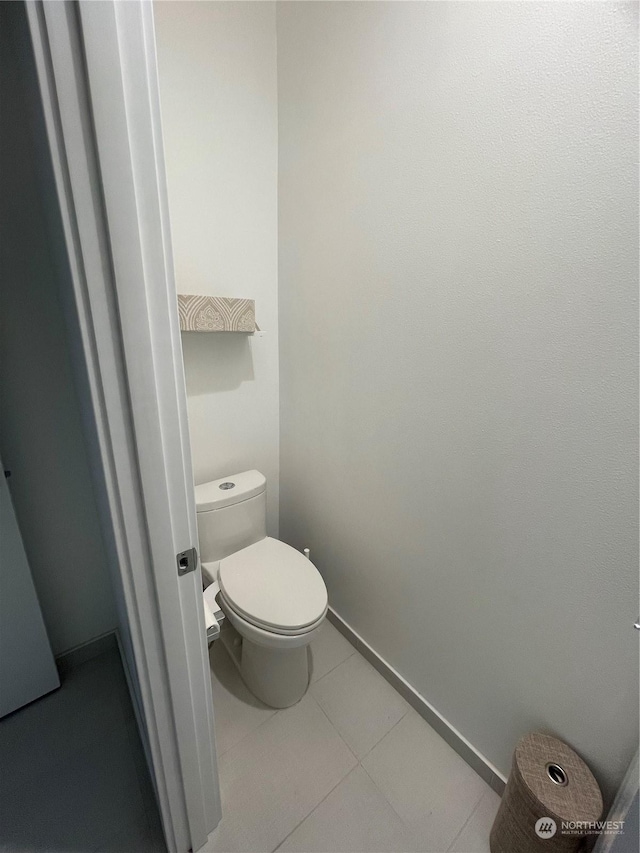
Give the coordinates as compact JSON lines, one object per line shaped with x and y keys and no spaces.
{"x":264,"y":631}
{"x":273,"y":587}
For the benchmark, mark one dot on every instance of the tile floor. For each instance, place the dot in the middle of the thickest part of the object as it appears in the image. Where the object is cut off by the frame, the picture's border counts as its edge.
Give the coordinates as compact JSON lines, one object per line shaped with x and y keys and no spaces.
{"x":352,"y":767}
{"x":349,"y":768}
{"x":73,"y":777}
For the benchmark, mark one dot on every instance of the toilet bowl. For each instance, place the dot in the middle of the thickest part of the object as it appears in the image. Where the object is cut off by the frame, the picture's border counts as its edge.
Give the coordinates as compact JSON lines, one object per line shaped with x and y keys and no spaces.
{"x":273,"y":597}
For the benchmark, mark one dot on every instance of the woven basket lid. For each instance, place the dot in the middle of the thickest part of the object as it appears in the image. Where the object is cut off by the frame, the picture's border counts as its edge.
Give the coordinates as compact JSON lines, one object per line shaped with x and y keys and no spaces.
{"x":577,"y":800}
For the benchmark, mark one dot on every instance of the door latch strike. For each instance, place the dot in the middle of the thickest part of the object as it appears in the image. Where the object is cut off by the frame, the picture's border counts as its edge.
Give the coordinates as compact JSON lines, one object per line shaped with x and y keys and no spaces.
{"x":187,"y":561}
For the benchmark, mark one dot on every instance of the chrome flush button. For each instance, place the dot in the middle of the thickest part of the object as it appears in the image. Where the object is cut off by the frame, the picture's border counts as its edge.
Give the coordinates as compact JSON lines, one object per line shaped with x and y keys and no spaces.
{"x":226,"y":486}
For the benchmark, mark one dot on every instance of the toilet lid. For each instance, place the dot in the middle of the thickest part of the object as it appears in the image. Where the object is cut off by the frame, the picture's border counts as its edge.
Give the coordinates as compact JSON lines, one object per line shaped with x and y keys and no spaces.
{"x":272,"y":584}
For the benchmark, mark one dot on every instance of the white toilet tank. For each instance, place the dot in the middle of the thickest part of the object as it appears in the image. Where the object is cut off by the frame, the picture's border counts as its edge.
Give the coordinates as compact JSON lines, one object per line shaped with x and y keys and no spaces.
{"x":232,"y":514}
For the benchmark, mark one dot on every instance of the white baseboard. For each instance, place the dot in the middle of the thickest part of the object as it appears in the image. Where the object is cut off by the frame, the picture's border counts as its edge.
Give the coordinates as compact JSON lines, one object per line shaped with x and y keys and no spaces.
{"x":483,"y":767}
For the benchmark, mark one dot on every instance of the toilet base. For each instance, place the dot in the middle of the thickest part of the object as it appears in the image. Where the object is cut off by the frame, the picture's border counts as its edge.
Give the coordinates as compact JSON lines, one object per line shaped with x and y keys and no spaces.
{"x":278,"y":677}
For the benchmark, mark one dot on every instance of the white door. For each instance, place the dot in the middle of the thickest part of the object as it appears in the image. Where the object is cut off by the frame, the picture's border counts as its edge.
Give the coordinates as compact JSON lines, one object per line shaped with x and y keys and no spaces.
{"x":27,"y":668}
{"x":97,"y":75}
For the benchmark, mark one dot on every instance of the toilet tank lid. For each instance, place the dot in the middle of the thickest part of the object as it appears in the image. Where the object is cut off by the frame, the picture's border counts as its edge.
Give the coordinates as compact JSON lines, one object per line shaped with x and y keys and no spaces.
{"x":229,"y":490}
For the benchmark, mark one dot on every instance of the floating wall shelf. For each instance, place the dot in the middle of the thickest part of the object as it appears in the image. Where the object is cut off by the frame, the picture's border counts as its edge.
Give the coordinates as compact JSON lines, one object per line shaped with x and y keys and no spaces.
{"x":216,"y":314}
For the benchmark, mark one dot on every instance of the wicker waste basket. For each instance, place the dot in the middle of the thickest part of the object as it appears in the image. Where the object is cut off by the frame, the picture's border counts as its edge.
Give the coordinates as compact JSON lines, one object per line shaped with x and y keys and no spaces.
{"x":548,"y":784}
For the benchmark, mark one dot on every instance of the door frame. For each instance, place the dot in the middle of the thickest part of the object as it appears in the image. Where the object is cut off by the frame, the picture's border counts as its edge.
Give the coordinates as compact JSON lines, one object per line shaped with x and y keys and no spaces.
{"x":97,"y":74}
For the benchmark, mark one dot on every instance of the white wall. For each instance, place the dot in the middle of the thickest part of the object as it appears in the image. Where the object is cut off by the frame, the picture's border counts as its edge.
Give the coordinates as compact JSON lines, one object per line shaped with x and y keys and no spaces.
{"x":41,"y":435}
{"x":217,"y":68}
{"x":458,"y":277}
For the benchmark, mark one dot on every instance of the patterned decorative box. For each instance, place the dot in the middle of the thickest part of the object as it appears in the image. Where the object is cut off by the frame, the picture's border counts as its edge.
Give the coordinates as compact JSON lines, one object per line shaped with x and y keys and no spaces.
{"x":216,"y":314}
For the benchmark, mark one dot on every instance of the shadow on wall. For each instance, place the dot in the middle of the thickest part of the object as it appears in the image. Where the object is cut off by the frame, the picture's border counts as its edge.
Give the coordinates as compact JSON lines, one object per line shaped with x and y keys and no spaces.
{"x":216,"y":362}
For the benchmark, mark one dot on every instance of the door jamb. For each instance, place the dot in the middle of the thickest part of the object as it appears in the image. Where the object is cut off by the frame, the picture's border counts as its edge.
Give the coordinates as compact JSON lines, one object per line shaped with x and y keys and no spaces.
{"x":96,"y":70}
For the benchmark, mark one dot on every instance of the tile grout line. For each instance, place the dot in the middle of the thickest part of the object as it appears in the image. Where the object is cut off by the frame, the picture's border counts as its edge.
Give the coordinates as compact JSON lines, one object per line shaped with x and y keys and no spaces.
{"x":358,"y":765}
{"x":358,"y":760}
{"x":340,"y":737}
{"x":456,"y":740}
{"x":308,"y":693}
{"x":246,"y":734}
{"x":464,"y":825}
{"x":333,"y":668}
{"x":317,"y":806}
{"x":397,"y":723}
{"x":382,"y":793}
{"x":406,"y":711}
{"x":276,"y":711}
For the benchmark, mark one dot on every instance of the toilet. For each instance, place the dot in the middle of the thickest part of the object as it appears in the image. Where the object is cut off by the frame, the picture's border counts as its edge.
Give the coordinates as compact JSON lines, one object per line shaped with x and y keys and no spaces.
{"x":273,"y":597}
